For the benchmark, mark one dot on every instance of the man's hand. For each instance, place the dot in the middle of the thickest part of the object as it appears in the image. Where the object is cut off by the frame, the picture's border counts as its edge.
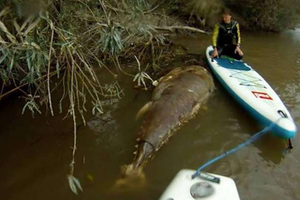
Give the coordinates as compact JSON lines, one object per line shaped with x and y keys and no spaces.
{"x":239,"y":51}
{"x":215,"y":53}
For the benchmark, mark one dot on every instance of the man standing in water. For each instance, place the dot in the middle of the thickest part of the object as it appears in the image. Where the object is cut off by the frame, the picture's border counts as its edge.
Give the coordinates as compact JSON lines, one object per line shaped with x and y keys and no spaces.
{"x":226,"y":38}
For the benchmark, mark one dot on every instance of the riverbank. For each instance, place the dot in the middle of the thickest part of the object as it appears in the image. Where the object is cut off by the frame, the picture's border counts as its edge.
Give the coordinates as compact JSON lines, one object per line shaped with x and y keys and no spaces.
{"x":70,"y":41}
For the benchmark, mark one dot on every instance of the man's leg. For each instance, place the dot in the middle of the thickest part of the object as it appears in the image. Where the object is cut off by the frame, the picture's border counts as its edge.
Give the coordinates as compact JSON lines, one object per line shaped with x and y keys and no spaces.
{"x":220,"y":50}
{"x":230,"y":51}
{"x":236,"y":55}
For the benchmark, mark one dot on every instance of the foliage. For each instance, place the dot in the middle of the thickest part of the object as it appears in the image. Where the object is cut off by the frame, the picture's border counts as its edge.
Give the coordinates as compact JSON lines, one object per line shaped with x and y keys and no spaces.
{"x":41,"y":39}
{"x":200,"y":13}
{"x":111,"y":41}
{"x":269,"y":15}
{"x":74,"y":184}
{"x":141,"y":76}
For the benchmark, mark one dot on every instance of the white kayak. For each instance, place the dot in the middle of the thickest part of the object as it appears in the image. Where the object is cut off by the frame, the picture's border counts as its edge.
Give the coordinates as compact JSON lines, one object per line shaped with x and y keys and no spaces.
{"x":206,"y":187}
{"x":253,"y":93}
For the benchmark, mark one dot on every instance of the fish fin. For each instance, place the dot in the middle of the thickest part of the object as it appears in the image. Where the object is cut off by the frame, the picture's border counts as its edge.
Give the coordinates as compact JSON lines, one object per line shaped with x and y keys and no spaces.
{"x":143,"y":110}
{"x":155,"y":83}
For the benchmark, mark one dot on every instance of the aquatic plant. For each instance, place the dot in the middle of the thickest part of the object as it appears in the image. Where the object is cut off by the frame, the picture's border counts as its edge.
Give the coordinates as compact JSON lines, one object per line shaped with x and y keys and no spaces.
{"x":141,"y":76}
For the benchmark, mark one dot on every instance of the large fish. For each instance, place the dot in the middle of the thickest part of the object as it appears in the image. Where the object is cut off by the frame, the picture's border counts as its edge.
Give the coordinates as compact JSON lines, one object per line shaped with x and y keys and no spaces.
{"x":175,"y":100}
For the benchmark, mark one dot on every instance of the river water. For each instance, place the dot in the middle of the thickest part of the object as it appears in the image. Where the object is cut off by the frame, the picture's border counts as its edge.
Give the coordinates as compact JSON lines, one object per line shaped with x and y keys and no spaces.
{"x":35,"y":153}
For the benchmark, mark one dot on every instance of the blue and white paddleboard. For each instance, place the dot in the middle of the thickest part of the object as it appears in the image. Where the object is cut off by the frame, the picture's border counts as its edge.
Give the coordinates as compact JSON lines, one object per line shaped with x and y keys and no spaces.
{"x":253,"y":93}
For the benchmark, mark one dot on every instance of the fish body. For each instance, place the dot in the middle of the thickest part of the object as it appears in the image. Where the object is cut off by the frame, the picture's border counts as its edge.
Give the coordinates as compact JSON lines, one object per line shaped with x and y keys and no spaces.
{"x":176,"y":99}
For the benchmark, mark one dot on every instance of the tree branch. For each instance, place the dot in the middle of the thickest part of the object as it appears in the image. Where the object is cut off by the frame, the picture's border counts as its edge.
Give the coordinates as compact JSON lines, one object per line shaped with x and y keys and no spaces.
{"x":188,"y":28}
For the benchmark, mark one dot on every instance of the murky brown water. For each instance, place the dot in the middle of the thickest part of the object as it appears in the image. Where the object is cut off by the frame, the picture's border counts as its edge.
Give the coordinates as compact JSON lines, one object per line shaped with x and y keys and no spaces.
{"x":35,"y":153}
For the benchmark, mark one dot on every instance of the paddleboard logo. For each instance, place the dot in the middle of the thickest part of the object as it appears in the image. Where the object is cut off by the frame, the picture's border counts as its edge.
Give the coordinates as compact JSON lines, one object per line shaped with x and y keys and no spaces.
{"x":262,"y":95}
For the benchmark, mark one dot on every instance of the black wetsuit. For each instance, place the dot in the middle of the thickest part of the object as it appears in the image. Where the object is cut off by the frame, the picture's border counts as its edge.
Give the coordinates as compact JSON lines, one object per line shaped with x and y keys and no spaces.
{"x":226,"y":37}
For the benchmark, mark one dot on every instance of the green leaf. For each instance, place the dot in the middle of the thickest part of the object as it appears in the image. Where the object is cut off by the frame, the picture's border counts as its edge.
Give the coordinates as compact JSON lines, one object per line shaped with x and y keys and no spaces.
{"x":32,"y":26}
{"x":3,"y":56}
{"x":74,"y":183}
{"x":12,"y":62}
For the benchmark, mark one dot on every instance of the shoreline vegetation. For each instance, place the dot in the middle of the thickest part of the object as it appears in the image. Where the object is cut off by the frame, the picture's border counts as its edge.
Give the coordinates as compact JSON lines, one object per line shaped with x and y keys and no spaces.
{"x":46,"y":44}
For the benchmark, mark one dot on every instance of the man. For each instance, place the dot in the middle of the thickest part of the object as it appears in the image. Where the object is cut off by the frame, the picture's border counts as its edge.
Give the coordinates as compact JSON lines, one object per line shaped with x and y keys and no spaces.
{"x":226,"y":38}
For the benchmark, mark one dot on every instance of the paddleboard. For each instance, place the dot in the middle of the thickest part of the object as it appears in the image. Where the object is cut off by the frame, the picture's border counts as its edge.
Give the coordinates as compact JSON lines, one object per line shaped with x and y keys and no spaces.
{"x":252,"y":91}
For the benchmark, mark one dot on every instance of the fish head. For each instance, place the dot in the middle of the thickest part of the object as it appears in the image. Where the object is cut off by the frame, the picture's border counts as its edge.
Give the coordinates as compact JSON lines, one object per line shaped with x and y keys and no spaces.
{"x":145,"y":152}
{"x":131,"y":178}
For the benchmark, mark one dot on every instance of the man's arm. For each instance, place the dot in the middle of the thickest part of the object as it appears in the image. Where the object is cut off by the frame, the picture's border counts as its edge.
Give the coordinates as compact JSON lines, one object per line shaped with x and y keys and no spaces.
{"x":215,"y":35}
{"x":238,"y":39}
{"x":214,"y":41}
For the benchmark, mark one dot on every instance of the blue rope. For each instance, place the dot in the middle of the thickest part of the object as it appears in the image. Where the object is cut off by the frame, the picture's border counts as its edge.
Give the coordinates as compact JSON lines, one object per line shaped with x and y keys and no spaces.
{"x":247,"y":142}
